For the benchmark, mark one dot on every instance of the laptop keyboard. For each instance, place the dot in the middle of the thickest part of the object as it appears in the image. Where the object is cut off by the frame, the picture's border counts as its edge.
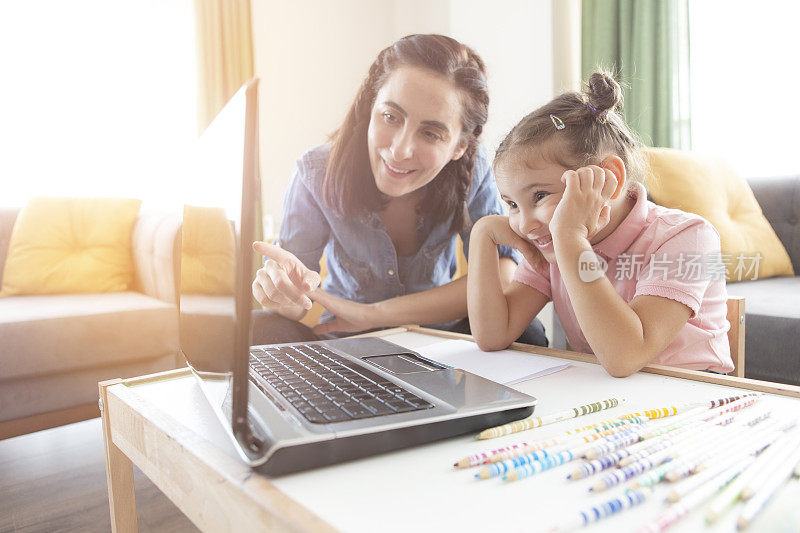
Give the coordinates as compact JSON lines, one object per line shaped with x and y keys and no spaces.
{"x":325,"y":387}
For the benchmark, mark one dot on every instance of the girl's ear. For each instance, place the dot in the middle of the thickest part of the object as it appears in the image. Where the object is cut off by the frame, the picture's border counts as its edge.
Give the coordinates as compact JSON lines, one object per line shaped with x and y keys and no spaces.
{"x":616,"y":166}
{"x":459,"y":151}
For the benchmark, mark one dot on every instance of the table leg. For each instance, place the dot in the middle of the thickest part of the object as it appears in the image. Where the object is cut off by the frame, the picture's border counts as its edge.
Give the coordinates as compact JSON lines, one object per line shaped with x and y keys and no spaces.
{"x":119,"y":475}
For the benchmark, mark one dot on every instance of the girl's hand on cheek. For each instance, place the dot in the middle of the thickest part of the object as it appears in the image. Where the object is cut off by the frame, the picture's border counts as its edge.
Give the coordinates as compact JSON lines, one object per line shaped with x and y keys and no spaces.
{"x":583,"y":210}
{"x":498,"y":229}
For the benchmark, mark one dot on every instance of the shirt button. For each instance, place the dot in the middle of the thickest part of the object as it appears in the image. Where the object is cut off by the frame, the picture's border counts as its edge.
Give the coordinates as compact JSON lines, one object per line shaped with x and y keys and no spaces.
{"x":391,"y":272}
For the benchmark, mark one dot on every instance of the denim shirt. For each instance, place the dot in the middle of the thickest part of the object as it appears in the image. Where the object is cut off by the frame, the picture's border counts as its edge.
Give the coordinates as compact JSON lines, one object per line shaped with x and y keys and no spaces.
{"x":361,"y":259}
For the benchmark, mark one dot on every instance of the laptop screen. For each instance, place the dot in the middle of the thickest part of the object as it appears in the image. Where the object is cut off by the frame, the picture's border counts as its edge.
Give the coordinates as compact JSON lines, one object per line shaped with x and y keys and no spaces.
{"x":217,"y":260}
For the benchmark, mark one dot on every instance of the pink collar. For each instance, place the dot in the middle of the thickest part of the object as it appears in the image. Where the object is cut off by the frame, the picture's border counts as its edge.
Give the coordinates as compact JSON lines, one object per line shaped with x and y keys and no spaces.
{"x":629,"y":229}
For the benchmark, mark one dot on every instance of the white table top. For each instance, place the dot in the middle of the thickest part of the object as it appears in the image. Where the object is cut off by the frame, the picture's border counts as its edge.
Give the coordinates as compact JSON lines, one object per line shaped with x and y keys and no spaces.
{"x":418,"y":489}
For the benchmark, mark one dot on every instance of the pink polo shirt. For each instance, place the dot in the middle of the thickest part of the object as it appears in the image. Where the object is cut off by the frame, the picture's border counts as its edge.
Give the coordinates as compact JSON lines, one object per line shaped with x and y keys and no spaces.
{"x":659,"y":252}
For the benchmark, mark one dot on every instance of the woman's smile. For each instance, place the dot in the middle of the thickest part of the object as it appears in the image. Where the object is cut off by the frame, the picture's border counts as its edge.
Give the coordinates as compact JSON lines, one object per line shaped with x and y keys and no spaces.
{"x":414,"y":130}
{"x":396,"y":171}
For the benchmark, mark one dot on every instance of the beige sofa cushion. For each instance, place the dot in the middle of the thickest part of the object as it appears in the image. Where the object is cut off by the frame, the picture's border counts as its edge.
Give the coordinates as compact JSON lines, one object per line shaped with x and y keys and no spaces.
{"x":42,"y":394}
{"x":44,"y":334}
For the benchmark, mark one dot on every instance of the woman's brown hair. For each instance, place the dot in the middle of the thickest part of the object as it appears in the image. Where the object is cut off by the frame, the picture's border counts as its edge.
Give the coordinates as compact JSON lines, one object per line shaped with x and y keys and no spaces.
{"x":349,"y":186}
{"x":585,"y":128}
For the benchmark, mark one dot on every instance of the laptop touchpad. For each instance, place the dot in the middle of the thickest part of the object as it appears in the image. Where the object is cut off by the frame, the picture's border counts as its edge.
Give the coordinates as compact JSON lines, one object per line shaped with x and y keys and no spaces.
{"x":403,"y":363}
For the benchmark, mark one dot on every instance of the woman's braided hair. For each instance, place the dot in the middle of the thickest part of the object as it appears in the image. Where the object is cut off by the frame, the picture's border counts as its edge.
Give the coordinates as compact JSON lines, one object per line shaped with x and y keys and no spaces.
{"x":349,"y":187}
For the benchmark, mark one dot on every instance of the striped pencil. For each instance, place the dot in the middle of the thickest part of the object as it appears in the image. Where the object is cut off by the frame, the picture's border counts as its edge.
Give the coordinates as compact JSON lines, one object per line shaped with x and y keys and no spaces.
{"x":731,"y":493}
{"x":576,"y":448}
{"x":779,"y":476}
{"x":716,"y":461}
{"x":707,"y":415}
{"x":656,"y":444}
{"x":696,"y":459}
{"x":687,"y":415}
{"x":617,"y":504}
{"x":783,"y":448}
{"x":604,"y":453}
{"x":681,"y":434}
{"x":607,"y":453}
{"x":649,"y":479}
{"x":681,"y":408}
{"x":676,"y":511}
{"x":534,"y":467}
{"x":589,"y":468}
{"x":536,"y":421}
{"x":606,"y":446}
{"x":695,"y":482}
{"x":666,"y":456}
{"x":516,"y":450}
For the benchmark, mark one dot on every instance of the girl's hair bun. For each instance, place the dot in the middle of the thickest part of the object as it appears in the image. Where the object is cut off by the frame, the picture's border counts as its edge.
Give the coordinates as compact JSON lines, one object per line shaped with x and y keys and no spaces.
{"x":603,"y":93}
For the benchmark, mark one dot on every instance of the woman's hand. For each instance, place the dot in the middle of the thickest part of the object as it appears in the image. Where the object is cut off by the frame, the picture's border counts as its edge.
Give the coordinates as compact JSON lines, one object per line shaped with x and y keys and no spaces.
{"x":283,"y":284}
{"x":498,"y":230}
{"x":583,"y":210}
{"x":349,"y":316}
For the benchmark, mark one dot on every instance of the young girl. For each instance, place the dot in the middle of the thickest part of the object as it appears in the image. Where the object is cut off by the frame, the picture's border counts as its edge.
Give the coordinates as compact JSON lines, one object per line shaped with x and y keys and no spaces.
{"x":631,"y":282}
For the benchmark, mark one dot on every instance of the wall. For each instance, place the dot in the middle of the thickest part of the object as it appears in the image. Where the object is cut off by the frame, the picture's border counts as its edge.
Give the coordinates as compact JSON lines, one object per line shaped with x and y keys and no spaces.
{"x":311,"y":60}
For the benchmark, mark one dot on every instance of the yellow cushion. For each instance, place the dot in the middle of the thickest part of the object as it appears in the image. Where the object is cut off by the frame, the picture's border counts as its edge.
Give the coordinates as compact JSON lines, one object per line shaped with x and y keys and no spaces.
{"x":207,"y":252}
{"x":710,"y":188}
{"x":71,"y":245}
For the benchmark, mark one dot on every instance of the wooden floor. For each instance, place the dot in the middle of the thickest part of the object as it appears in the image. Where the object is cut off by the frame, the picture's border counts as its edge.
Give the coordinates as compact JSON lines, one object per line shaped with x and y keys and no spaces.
{"x":55,"y":480}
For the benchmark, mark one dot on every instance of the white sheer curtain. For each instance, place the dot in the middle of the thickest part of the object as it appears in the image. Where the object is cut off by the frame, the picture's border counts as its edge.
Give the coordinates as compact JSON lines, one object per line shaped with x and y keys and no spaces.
{"x":97,"y":98}
{"x":745,"y":78}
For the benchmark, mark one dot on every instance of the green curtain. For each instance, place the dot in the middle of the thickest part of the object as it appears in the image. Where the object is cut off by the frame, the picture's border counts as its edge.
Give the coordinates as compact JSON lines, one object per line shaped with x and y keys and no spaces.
{"x":646,"y":43}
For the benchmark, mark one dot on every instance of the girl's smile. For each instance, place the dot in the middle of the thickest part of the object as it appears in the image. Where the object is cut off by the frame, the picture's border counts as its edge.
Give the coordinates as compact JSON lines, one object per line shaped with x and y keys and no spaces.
{"x":532,"y":192}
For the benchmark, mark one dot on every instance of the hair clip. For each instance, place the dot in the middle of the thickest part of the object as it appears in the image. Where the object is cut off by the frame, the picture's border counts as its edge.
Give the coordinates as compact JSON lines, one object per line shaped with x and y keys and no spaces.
{"x":557,"y":122}
{"x":595,"y":111}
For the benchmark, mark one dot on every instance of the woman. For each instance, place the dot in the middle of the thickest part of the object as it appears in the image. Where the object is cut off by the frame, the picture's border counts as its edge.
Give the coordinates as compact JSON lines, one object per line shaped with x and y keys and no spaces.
{"x":384,"y":201}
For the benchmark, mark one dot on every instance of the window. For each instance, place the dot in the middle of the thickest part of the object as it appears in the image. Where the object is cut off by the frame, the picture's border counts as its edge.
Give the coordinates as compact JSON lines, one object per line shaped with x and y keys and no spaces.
{"x":97,"y":99}
{"x":744,"y":79}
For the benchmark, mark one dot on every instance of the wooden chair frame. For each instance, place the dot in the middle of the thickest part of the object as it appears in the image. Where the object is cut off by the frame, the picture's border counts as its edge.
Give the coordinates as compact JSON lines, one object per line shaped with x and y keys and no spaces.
{"x":736,"y":334}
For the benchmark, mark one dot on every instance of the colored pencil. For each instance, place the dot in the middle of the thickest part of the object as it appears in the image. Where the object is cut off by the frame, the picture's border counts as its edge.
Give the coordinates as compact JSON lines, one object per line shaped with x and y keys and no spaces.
{"x":695,"y":482}
{"x":537,"y":421}
{"x":784,"y":448}
{"x":685,"y":450}
{"x":676,"y":511}
{"x":589,"y":468}
{"x":779,"y":476}
{"x":625,"y":500}
{"x":657,"y":444}
{"x":523,"y":448}
{"x":704,"y":414}
{"x":731,"y":493}
{"x":749,"y":446}
{"x":577,"y":449}
{"x":657,"y":474}
{"x":672,"y":410}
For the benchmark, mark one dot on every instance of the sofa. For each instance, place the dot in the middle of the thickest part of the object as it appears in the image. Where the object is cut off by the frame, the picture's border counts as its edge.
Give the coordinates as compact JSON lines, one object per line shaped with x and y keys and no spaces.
{"x":54,"y":348}
{"x":772,"y":305}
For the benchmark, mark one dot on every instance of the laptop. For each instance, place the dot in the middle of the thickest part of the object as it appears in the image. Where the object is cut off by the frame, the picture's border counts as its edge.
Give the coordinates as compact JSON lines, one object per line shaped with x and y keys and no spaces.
{"x":294,"y":406}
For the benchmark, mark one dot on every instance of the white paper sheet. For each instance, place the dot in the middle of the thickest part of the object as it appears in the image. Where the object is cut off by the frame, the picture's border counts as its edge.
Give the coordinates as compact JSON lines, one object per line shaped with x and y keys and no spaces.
{"x":505,"y":366}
